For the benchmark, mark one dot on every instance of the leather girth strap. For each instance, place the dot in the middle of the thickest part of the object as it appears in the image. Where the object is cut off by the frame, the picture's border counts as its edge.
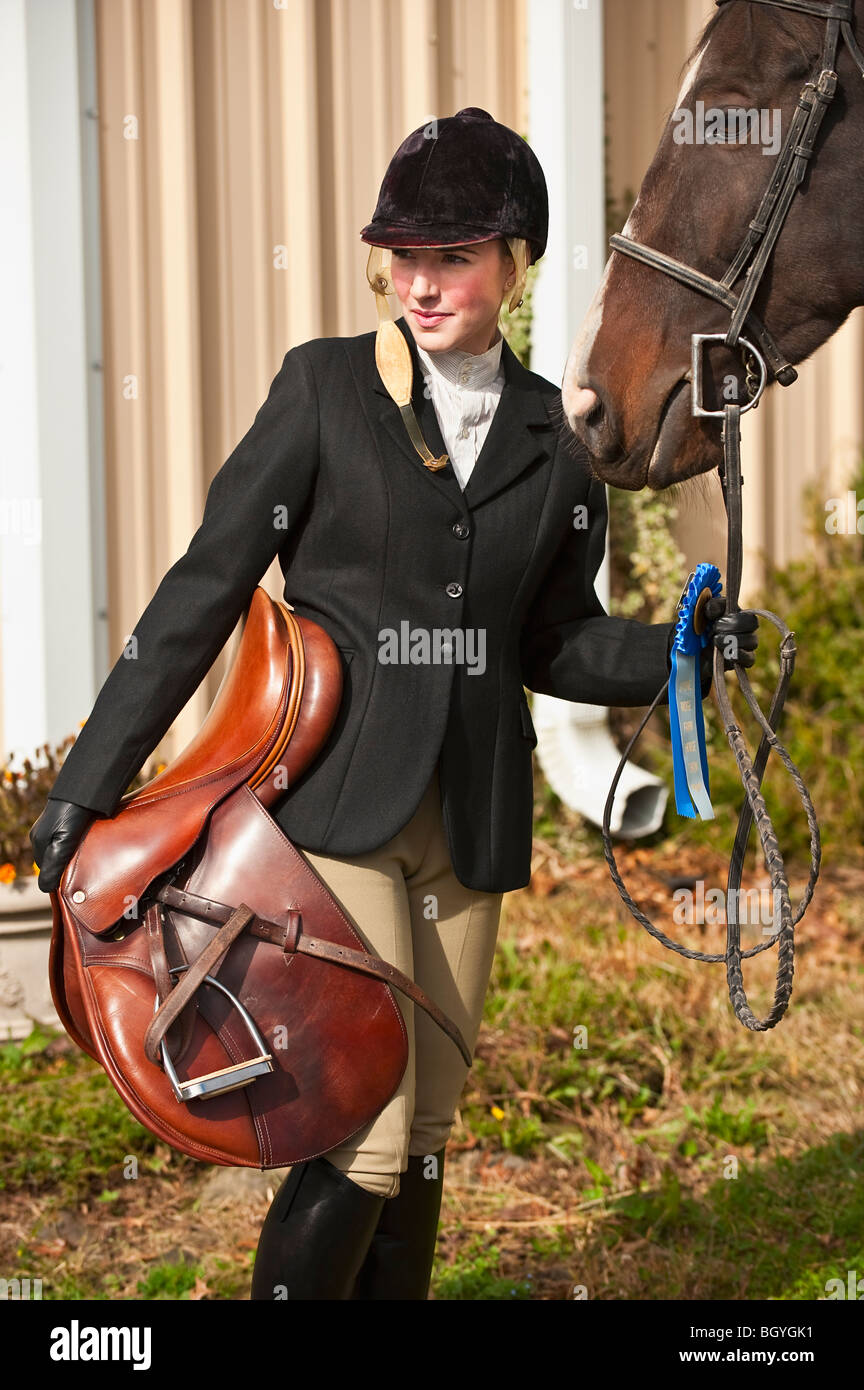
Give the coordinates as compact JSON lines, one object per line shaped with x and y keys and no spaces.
{"x":171,"y":1006}
{"x":178,"y":1037}
{"x":289,"y":938}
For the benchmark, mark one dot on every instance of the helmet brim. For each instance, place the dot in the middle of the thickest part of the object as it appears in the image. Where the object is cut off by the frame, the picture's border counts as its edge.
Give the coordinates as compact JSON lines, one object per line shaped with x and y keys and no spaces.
{"x":393,"y":236}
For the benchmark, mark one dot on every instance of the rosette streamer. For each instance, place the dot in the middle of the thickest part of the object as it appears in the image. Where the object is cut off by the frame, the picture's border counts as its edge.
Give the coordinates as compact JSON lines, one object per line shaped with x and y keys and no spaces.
{"x":689,"y":758}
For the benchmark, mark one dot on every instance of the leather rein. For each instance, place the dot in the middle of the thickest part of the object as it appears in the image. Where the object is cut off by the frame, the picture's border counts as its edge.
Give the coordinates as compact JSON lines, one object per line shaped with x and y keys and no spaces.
{"x":761,"y":354}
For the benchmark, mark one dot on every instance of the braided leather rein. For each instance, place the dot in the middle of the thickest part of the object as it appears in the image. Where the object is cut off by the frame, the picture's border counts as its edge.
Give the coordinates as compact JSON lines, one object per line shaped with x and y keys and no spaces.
{"x":751,"y":771}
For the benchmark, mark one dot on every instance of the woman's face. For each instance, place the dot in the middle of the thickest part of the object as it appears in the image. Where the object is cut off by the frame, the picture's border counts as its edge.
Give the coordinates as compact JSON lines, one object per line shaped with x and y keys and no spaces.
{"x":451,"y":295}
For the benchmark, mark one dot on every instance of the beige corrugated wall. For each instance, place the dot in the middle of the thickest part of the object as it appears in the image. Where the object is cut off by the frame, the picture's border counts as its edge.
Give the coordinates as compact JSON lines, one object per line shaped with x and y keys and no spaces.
{"x":797,"y":434}
{"x":242,"y":145}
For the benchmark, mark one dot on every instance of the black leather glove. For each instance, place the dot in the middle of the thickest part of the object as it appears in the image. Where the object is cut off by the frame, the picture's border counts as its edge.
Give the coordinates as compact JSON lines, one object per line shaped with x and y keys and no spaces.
{"x":55,"y":837}
{"x":738,"y":630}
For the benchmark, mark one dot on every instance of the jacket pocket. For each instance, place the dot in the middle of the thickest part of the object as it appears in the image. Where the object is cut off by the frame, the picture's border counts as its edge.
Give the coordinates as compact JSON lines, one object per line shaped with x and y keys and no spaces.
{"x":528,"y":730}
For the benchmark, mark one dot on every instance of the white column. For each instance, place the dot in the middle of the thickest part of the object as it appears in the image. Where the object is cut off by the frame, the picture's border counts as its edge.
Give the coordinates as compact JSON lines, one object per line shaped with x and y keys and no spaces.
{"x":565,"y":67}
{"x":47,"y":393}
{"x":566,"y":129}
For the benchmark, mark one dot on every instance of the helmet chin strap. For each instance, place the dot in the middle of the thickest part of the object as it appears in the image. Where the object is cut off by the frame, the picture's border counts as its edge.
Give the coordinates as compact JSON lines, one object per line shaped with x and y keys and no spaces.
{"x":392,"y":353}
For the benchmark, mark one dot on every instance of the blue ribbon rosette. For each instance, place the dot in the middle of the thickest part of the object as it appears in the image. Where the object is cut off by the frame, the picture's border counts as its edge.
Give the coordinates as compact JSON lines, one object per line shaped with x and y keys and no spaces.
{"x":689,"y":757}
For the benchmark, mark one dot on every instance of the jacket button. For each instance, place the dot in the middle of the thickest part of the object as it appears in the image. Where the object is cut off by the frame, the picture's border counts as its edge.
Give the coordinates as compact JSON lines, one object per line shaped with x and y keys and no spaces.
{"x":454,"y":590}
{"x":460,"y":529}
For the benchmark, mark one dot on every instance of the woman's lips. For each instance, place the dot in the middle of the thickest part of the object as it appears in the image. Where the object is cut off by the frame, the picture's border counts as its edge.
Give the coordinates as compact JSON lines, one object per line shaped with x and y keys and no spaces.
{"x":428,"y":320}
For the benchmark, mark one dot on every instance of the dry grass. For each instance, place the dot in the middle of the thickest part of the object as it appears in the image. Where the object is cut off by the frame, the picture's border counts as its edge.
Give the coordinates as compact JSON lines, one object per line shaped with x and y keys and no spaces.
{"x":634,"y":1203}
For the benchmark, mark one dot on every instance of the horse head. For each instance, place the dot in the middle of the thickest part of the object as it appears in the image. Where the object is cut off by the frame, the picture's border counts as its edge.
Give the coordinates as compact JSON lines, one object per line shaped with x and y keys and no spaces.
{"x":626,"y":390}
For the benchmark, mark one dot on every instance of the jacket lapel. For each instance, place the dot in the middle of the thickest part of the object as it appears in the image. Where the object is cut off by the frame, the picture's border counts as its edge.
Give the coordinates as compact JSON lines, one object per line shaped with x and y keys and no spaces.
{"x":521,"y":430}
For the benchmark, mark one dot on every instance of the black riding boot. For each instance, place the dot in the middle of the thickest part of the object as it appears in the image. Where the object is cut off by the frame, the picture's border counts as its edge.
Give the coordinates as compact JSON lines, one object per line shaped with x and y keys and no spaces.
{"x":399,"y":1262}
{"x":315,"y":1235}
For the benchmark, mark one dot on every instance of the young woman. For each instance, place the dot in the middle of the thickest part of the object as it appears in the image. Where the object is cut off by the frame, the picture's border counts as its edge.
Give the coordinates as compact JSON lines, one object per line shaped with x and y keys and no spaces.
{"x":449,"y":544}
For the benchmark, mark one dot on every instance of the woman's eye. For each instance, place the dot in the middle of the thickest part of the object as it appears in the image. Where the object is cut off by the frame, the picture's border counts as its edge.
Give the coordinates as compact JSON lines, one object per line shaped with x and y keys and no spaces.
{"x":402,"y":255}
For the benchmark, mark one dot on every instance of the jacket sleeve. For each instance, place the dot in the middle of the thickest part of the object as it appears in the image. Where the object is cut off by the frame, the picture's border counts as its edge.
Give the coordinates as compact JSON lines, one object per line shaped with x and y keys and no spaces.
{"x":252,"y":503}
{"x":571,"y":648}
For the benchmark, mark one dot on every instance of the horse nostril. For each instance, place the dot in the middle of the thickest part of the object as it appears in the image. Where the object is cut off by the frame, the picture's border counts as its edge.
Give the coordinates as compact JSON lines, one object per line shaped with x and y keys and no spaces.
{"x":585,"y":403}
{"x":592,"y":420}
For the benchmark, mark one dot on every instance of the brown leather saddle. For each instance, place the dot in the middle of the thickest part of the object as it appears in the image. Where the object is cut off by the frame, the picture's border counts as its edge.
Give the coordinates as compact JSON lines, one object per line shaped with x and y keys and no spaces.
{"x":190,"y":936}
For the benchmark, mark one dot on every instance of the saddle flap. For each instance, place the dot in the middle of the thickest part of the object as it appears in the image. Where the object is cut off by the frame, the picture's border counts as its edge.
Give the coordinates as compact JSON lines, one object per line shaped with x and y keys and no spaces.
{"x":254,"y":714}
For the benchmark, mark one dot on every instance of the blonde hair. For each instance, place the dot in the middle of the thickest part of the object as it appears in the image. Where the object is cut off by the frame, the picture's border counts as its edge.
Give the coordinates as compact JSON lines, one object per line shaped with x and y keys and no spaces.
{"x":519,"y":252}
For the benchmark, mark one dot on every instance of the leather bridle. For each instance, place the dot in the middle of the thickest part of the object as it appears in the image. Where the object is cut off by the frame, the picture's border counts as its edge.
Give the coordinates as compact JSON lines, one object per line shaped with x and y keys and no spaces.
{"x":763,"y":231}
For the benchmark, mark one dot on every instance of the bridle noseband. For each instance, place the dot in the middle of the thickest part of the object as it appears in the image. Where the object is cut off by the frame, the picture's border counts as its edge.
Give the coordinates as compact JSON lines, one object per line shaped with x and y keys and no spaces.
{"x":798,"y":147}
{"x":756,"y":248}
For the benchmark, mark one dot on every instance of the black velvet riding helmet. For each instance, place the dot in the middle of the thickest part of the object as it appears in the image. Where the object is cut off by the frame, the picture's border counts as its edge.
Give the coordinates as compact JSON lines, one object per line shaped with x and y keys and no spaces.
{"x":461,"y":179}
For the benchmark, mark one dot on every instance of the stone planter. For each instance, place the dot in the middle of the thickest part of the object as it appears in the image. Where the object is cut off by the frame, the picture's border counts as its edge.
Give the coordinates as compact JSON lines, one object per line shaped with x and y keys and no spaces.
{"x":25,"y":937}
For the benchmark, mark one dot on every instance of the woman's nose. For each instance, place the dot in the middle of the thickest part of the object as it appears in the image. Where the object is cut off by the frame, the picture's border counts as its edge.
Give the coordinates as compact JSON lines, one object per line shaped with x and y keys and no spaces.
{"x":423,"y":288}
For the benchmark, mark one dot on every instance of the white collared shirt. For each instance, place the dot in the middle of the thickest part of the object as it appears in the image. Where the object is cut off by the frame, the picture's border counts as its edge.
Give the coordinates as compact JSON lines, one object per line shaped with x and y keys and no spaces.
{"x":465,"y":388}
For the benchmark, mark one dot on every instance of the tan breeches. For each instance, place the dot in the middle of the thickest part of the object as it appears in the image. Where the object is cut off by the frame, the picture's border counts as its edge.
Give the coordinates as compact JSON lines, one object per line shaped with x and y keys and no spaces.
{"x":408,"y":906}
